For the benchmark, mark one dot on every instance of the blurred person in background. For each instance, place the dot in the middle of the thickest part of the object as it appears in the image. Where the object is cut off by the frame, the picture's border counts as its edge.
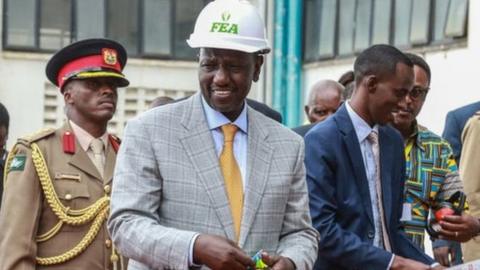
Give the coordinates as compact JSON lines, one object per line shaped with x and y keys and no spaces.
{"x":466,"y":228}
{"x":162,"y":100}
{"x":348,"y":81}
{"x":323,"y":100}
{"x":4,"y":124}
{"x":454,"y":125}
{"x":431,"y":170}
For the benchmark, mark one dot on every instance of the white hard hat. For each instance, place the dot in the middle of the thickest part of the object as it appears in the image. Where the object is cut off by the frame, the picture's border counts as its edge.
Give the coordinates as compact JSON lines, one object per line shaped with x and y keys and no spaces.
{"x":230,"y":24}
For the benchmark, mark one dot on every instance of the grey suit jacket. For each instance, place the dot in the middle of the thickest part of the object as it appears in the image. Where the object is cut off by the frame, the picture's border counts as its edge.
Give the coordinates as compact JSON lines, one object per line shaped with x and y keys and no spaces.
{"x":169,"y":187}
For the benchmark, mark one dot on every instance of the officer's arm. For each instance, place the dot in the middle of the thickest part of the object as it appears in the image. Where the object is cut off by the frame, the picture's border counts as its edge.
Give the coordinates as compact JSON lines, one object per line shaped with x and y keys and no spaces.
{"x":21,"y":209}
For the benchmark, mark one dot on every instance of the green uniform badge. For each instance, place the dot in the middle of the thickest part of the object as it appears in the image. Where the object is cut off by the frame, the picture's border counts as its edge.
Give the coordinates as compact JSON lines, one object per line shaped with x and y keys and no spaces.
{"x":18,"y":163}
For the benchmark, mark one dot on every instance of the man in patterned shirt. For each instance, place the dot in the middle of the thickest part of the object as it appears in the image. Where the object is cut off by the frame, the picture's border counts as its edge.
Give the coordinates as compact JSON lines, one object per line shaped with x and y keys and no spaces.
{"x":432,"y":173}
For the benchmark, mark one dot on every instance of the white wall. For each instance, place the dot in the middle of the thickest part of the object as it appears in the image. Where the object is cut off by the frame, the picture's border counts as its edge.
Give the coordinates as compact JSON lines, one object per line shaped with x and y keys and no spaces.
{"x":454,"y":74}
{"x":21,"y":91}
{"x":23,"y":84}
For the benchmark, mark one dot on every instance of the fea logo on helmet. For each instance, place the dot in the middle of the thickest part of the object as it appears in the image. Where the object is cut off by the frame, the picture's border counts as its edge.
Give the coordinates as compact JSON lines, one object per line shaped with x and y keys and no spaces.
{"x":225,"y":27}
{"x":230,"y":24}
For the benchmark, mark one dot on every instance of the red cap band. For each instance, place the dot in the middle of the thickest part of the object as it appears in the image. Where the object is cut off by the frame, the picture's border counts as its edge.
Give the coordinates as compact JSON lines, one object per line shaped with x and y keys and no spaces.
{"x":108,"y":59}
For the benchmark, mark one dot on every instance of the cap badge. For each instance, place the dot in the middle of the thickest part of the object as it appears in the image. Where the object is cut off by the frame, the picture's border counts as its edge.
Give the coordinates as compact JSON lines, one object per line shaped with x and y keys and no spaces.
{"x":109,"y":56}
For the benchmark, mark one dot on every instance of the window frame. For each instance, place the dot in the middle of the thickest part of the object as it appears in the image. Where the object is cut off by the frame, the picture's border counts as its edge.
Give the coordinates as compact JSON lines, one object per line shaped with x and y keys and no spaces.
{"x":73,"y":24}
{"x":36,"y":30}
{"x":430,"y":42}
{"x":139,"y":52}
{"x":142,"y":33}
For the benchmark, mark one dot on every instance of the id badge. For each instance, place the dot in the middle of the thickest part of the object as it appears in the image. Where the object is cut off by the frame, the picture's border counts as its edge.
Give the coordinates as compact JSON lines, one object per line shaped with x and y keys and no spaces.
{"x":406,"y":212}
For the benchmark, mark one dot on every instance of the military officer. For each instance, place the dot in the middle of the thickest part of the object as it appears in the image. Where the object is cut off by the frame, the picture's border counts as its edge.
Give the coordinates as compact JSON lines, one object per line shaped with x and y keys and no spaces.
{"x":58,"y":181}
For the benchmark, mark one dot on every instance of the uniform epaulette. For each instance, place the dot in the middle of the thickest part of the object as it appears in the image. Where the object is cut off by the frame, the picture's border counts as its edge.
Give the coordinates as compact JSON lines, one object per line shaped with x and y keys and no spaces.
{"x":36,"y":136}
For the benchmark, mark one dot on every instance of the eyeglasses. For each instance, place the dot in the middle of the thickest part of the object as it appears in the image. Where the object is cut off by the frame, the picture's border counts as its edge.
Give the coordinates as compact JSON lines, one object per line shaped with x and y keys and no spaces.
{"x":418,"y":93}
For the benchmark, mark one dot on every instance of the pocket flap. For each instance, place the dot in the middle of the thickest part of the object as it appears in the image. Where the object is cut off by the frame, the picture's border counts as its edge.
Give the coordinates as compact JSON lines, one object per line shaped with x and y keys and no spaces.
{"x":69,"y":187}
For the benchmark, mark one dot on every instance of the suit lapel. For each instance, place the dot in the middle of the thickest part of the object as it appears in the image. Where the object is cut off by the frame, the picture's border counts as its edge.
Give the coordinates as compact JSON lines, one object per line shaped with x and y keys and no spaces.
{"x":200,"y":148}
{"x":356,"y":159}
{"x":80,"y":158}
{"x":386,"y":159}
{"x":259,"y":156}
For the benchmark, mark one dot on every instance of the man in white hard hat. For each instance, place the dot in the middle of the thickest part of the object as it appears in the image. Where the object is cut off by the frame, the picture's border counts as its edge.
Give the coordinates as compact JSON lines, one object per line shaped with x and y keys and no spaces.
{"x":208,"y":182}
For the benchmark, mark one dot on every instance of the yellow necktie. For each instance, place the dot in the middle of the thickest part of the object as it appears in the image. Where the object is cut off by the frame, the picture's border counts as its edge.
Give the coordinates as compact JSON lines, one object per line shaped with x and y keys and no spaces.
{"x":232,"y":176}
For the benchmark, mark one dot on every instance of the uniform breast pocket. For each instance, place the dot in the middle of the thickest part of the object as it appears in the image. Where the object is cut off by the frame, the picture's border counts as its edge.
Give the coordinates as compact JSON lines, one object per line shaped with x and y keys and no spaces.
{"x":71,"y":190}
{"x":74,"y":194}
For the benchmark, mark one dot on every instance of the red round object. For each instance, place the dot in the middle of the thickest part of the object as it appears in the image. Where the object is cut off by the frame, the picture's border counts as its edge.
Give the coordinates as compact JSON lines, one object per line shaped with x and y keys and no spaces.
{"x":441,"y":213}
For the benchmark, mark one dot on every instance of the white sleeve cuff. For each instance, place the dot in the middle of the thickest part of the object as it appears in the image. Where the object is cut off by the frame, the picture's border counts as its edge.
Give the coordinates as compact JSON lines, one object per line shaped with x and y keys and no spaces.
{"x":190,"y":252}
{"x":391,"y":262}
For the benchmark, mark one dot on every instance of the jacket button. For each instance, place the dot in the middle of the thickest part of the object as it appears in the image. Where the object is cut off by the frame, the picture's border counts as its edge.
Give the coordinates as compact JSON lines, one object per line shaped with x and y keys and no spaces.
{"x":68,"y":197}
{"x":107,"y":189}
{"x":371,"y":234}
{"x":108,"y":243}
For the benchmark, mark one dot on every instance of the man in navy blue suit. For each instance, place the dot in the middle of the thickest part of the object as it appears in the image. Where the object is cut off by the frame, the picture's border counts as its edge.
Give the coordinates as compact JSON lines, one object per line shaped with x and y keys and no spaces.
{"x":356,"y":172}
{"x":454,"y":124}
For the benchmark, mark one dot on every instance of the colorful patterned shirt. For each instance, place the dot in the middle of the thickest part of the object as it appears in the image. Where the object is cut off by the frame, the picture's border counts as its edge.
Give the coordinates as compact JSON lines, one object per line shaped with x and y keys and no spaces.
{"x":432,"y":177}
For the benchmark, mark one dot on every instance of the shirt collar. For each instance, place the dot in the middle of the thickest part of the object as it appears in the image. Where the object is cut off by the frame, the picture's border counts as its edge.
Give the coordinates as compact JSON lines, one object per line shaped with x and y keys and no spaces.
{"x":362,"y":128}
{"x":84,"y":138}
{"x":216,"y":119}
{"x":416,"y":135}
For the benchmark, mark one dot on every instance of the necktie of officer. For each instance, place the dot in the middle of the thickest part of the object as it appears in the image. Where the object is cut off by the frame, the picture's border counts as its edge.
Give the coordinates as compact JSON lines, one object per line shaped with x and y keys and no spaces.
{"x":232,"y":176}
{"x":373,"y":139}
{"x":97,"y":146}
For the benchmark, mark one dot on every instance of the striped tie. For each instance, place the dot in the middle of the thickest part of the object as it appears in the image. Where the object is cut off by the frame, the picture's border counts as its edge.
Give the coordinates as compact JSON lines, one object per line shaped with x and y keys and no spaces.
{"x":373,"y":138}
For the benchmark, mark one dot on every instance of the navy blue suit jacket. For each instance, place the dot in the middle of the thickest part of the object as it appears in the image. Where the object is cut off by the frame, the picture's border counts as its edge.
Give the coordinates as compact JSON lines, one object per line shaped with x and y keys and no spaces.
{"x":454,"y":124}
{"x":340,"y":200}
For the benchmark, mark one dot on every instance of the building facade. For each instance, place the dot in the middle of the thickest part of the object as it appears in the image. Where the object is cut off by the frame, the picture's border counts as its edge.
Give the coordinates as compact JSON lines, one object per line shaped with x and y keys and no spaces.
{"x":311,"y":40}
{"x":445,"y":32}
{"x":153,"y":31}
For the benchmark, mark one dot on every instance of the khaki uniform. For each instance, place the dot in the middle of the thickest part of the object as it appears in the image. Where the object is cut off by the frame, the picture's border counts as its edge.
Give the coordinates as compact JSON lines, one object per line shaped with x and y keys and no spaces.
{"x":470,"y":174}
{"x":30,"y":232}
